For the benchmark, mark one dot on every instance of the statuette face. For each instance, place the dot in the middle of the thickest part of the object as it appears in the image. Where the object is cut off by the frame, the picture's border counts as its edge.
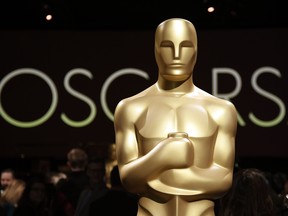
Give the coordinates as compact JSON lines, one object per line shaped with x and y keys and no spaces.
{"x":175,"y":142}
{"x":175,"y":49}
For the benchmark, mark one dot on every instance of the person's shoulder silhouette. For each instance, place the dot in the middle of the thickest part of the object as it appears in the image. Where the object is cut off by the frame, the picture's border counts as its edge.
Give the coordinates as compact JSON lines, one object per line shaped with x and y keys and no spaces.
{"x":251,"y":194}
{"x":117,"y":201}
{"x":69,"y":190}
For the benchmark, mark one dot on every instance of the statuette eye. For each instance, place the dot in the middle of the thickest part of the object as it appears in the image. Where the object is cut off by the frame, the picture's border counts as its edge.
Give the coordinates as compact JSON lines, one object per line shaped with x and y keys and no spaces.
{"x":186,"y":44}
{"x":166,"y":44}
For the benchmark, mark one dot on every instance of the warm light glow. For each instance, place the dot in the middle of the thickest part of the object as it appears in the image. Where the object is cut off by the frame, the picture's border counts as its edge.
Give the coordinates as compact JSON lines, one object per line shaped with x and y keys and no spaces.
{"x":49,"y":17}
{"x":211,"y":9}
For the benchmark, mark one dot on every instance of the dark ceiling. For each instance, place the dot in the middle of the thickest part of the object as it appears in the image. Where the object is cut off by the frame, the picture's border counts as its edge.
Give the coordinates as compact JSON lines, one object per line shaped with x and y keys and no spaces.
{"x":137,"y":15}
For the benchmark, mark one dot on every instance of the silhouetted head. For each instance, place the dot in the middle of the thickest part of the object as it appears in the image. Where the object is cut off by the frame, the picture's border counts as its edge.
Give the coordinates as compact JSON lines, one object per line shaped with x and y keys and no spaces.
{"x":77,"y":159}
{"x":249,"y":195}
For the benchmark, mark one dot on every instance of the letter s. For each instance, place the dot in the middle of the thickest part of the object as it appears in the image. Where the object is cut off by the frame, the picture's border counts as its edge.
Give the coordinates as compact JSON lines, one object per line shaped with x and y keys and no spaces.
{"x":82,"y":97}
{"x":266,"y":94}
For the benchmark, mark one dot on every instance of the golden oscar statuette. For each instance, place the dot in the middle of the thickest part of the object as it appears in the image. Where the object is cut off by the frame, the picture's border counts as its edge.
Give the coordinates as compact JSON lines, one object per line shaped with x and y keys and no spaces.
{"x":175,"y":143}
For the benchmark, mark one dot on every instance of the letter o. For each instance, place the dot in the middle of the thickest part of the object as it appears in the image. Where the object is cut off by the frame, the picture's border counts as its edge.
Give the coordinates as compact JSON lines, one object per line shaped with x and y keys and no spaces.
{"x":51,"y":109}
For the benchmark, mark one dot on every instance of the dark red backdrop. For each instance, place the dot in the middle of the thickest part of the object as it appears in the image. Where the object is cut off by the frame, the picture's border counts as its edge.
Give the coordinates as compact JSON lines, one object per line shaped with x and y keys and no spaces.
{"x":251,"y":65}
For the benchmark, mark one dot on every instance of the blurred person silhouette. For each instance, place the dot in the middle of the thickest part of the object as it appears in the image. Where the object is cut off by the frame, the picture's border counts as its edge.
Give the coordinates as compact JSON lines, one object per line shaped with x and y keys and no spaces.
{"x":110,"y":162}
{"x":175,"y":143}
{"x":96,"y":187}
{"x":70,"y":188}
{"x":280,"y":185}
{"x":37,"y":199}
{"x":285,"y":193}
{"x":278,"y":181}
{"x":284,"y":196}
{"x":250,"y":195}
{"x":11,"y":196}
{"x":118,"y":199}
{"x":7,"y":176}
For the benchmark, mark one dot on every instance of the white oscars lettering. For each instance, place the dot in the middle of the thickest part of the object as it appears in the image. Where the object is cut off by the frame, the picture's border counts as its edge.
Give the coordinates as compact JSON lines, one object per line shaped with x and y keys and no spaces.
{"x":81,"y":97}
{"x":50,"y":110}
{"x":216,"y":72}
{"x":255,"y":76}
{"x":274,"y":98}
{"x":235,"y":92}
{"x":71,"y":91}
{"x":227,"y":96}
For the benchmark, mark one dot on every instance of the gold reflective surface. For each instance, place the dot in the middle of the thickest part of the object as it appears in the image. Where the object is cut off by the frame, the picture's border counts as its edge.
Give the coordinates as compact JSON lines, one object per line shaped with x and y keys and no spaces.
{"x":175,"y":143}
